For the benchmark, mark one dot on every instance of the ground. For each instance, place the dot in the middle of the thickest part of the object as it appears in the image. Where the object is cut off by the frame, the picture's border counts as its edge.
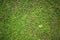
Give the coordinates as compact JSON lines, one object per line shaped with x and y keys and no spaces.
{"x":29,"y":20}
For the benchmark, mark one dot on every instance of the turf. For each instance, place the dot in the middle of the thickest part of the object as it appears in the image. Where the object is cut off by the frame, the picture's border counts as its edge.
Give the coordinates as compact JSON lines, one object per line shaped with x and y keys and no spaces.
{"x":29,"y":19}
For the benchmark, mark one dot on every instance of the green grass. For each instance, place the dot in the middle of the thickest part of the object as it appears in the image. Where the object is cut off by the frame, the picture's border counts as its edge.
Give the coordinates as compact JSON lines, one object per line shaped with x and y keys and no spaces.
{"x":29,"y":20}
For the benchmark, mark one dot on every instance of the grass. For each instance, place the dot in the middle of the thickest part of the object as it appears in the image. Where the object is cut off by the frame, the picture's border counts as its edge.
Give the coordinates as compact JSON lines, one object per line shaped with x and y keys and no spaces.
{"x":29,"y":20}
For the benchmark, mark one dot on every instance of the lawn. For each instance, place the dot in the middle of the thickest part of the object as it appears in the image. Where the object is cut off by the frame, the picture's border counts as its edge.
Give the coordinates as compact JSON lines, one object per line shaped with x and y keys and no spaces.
{"x":29,"y":19}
